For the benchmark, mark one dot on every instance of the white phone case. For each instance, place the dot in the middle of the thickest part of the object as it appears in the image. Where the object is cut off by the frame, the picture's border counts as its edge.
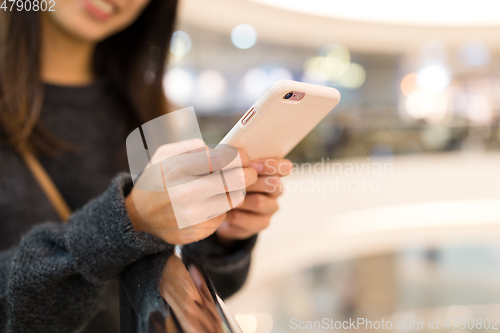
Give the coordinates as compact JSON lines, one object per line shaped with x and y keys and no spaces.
{"x":273,"y":126}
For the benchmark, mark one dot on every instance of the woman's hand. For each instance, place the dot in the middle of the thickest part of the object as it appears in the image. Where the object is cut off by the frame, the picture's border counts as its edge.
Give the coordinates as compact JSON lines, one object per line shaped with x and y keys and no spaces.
{"x":255,"y":212}
{"x":197,"y":195}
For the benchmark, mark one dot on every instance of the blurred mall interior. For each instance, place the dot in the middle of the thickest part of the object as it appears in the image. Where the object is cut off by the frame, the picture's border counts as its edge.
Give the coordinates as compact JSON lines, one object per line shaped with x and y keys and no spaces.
{"x":418,"y":124}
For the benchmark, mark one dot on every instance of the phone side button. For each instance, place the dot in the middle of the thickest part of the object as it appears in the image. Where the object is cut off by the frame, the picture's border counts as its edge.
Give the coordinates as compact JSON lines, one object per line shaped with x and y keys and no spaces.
{"x":249,"y":116}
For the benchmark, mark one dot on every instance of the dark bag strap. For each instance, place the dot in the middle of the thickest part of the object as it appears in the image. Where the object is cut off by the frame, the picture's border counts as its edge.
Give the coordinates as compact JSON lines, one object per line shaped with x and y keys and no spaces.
{"x":46,"y":184}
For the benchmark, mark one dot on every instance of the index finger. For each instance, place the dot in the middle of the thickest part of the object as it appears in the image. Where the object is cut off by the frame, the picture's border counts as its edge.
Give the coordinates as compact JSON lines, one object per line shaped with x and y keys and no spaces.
{"x":203,"y":161}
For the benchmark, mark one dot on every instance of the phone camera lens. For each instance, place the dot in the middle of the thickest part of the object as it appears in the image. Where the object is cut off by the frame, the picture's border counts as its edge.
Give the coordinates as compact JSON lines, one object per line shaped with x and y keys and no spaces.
{"x":287,"y":96}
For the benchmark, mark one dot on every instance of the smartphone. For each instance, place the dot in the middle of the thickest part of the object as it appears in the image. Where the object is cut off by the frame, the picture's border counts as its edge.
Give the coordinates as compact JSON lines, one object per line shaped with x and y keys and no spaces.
{"x":285,"y":113}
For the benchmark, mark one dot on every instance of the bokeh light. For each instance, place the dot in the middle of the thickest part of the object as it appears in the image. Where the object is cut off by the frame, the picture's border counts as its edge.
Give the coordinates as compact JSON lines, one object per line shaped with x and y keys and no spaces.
{"x":333,"y":61}
{"x":409,"y":84}
{"x":353,"y":77}
{"x":474,"y":54}
{"x":180,"y":44}
{"x":254,"y":82}
{"x":244,"y":36}
{"x":479,"y":109}
{"x":313,"y":69}
{"x":433,"y":51}
{"x":279,"y":73}
{"x":211,"y":86}
{"x":430,"y":106}
{"x":433,"y":78}
{"x":178,"y":85}
{"x":325,"y":68}
{"x":307,"y":79}
{"x":334,"y":65}
{"x":337,"y":51}
{"x":257,"y":80}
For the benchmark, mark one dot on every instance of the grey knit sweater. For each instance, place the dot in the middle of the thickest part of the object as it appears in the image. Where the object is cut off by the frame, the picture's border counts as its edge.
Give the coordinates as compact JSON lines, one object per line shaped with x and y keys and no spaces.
{"x":56,"y":277}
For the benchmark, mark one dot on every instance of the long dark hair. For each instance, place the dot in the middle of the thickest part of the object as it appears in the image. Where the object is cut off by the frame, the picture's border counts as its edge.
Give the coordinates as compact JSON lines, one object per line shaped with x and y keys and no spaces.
{"x":133,"y":60}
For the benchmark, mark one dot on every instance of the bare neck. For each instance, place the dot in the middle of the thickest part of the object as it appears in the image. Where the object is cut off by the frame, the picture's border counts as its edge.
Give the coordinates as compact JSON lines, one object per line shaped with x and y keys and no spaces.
{"x":65,"y":60}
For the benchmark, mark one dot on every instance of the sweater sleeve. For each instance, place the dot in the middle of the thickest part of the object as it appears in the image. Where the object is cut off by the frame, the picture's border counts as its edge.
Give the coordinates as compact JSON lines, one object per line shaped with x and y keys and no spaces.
{"x":54,"y":279}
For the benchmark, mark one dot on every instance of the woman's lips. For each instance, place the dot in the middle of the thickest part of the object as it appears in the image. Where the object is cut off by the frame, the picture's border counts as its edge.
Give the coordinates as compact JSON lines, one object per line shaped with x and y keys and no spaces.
{"x":101,"y":9}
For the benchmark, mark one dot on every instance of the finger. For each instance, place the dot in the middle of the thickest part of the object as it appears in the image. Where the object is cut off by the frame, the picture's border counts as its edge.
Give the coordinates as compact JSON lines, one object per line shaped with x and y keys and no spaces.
{"x":201,"y":161}
{"x":199,"y":231}
{"x":229,"y":231}
{"x":249,"y":221}
{"x":227,"y":157}
{"x":272,"y":166}
{"x":242,"y":224}
{"x":243,"y":161}
{"x":201,"y":188}
{"x":236,"y":198}
{"x":211,"y":224}
{"x":259,"y":203}
{"x":270,"y":185}
{"x":176,"y":148}
{"x":240,"y":178}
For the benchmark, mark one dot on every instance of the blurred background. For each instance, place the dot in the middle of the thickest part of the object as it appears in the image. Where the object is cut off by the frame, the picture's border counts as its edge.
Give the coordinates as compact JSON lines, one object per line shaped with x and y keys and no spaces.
{"x":408,"y":223}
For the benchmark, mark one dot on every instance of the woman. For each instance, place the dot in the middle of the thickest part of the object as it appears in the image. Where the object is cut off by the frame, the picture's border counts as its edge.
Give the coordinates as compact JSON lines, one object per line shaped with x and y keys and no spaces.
{"x":73,"y":83}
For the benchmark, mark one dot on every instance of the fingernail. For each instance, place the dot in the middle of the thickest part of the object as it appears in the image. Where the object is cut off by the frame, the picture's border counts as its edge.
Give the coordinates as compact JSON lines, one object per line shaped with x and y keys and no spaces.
{"x":257,"y":166}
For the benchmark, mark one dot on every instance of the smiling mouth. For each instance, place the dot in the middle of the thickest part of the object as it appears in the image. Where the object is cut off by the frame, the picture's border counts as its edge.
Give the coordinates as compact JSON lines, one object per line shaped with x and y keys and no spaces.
{"x":102,"y":9}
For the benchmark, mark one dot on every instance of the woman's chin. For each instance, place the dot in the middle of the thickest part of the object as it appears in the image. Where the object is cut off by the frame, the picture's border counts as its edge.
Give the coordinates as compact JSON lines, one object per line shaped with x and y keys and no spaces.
{"x":91,"y":33}
{"x":83,"y":26}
